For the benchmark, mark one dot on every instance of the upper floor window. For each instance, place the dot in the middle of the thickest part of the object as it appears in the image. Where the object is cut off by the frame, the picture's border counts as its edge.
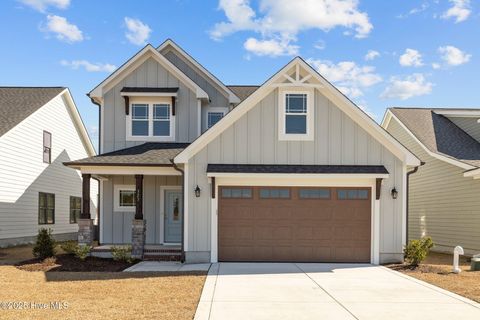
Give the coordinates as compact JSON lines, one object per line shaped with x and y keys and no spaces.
{"x":213,"y":117}
{"x":47,"y":147}
{"x":296,"y":115}
{"x":151,"y":122}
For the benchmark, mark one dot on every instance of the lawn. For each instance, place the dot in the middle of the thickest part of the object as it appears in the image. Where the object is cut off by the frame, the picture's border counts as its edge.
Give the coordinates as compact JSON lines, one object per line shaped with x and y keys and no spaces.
{"x":437,"y":270}
{"x":96,"y":295}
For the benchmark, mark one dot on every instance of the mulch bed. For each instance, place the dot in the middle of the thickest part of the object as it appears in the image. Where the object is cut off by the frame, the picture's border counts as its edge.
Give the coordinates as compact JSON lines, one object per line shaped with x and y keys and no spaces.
{"x":69,"y":263}
{"x":423,"y":268}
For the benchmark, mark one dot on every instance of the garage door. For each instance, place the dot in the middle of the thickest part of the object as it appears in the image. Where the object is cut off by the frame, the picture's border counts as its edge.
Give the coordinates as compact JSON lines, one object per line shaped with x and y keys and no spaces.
{"x":294,"y":224}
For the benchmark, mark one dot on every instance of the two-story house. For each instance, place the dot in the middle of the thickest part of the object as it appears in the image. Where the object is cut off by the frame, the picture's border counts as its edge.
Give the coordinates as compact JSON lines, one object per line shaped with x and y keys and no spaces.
{"x":289,"y":171}
{"x":40,"y":128}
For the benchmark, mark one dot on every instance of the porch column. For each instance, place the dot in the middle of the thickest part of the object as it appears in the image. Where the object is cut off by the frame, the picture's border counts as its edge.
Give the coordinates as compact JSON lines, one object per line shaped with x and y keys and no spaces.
{"x":138,"y":224}
{"x":85,"y":223}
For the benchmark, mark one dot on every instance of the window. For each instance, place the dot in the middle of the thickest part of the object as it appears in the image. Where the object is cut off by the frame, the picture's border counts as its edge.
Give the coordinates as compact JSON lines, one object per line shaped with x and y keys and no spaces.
{"x":314,"y":193}
{"x":124,"y":197}
{"x":352,"y":194}
{"x":277,"y":193}
{"x":236,"y":193}
{"x":296,"y":115}
{"x":140,"y":120}
{"x":151,"y":121}
{"x":75,"y":208}
{"x":47,"y":147}
{"x":213,"y":117}
{"x":46,"y":208}
{"x":161,"y":120}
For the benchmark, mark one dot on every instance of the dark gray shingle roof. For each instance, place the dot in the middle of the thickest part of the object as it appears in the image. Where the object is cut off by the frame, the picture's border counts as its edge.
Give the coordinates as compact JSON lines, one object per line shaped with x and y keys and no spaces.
{"x":147,"y":154}
{"x":305,"y":169}
{"x":439,"y":134}
{"x":243,"y":92}
{"x":17,"y":103}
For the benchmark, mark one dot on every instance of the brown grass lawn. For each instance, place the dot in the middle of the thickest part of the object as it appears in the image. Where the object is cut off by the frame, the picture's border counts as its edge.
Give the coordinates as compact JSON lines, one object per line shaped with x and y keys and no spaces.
{"x":437,"y":270}
{"x":97,"y":295}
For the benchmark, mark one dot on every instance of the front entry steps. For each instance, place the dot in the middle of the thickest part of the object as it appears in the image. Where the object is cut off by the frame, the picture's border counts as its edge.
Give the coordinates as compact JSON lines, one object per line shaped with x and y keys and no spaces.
{"x":162,"y":253}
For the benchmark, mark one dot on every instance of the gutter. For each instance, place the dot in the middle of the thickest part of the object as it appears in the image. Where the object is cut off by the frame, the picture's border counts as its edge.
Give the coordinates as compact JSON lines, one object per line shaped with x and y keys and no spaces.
{"x":182,"y":259}
{"x":408,"y":195}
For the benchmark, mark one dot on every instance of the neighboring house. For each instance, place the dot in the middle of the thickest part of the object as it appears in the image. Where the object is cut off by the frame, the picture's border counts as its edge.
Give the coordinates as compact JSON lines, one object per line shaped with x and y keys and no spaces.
{"x":444,"y":195}
{"x":40,"y":128}
{"x":288,"y":171}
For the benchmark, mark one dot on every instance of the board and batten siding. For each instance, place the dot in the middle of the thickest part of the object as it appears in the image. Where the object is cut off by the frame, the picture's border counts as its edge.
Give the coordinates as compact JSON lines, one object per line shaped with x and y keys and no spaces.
{"x":469,"y":125}
{"x":117,"y":225}
{"x":148,"y":74}
{"x":23,"y":174}
{"x":338,"y":140}
{"x":444,"y":204}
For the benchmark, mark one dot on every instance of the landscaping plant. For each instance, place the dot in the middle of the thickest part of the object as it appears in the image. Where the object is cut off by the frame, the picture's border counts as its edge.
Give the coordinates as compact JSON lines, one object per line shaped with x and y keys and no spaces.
{"x":82,"y":251}
{"x":45,"y":245}
{"x":123,"y":253}
{"x":417,"y":250}
{"x":69,"y":247}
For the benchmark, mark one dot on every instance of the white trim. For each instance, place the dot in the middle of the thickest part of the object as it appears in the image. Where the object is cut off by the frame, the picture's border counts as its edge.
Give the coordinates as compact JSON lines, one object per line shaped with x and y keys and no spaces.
{"x":386,"y":121}
{"x":310,"y":121}
{"x":161,"y":224}
{"x":473,"y":173}
{"x":186,"y":211}
{"x":371,"y":183}
{"x":199,"y":118}
{"x":403,"y":195}
{"x":232,"y":97}
{"x":147,"y":52}
{"x":310,"y":176}
{"x":148,"y":94}
{"x":342,"y":102}
{"x":116,"y":197}
{"x":101,"y":223}
{"x":224,"y":111}
{"x":127,"y":170}
{"x":459,"y":113}
{"x":101,"y":138}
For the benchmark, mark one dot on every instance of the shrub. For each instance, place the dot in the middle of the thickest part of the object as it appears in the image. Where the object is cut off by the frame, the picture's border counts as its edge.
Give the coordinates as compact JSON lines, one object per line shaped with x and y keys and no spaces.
{"x":69,"y":247}
{"x":82,"y":252}
{"x":45,"y":245}
{"x":50,"y":261}
{"x":123,"y":253}
{"x":417,"y":250}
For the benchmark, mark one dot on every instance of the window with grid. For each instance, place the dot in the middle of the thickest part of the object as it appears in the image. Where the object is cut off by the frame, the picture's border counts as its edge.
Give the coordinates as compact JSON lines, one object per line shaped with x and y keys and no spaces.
{"x":213,"y":117}
{"x":75,"y":208}
{"x":140,"y":120}
{"x":295,"y":113}
{"x":46,"y":208}
{"x":47,"y":147}
{"x":161,"y":120}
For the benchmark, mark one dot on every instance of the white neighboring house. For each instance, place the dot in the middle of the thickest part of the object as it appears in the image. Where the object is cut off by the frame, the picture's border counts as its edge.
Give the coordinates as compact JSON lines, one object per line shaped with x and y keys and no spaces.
{"x":40,"y":128}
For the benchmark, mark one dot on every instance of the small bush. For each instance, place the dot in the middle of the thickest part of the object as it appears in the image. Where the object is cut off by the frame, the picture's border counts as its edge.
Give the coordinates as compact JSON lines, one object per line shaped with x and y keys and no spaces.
{"x":123,"y":253}
{"x":50,"y":261}
{"x":82,"y":252}
{"x":45,"y":245}
{"x":69,"y":247}
{"x":417,"y":250}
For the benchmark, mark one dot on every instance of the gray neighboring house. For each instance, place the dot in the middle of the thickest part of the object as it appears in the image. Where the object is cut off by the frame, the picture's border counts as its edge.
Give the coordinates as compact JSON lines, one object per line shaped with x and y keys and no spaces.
{"x":444,"y":200}
{"x":290,"y":170}
{"x":40,"y":128}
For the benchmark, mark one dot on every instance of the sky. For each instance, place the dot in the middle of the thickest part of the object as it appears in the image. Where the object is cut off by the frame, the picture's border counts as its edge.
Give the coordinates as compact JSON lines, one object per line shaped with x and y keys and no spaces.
{"x":379,"y":53}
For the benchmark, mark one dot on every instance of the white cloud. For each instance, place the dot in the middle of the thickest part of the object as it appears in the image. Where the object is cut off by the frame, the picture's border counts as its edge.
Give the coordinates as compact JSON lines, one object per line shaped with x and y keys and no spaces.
{"x":411,"y":58}
{"x":436,"y":65}
{"x":371,"y":55}
{"x":138,"y":32}
{"x":320,"y":45}
{"x":88,"y":66}
{"x":272,"y":47}
{"x":410,"y":86}
{"x":460,"y":11}
{"x":63,"y":29}
{"x":453,"y":56}
{"x":42,"y":5}
{"x":349,"y":78}
{"x":424,"y":6}
{"x":284,"y":19}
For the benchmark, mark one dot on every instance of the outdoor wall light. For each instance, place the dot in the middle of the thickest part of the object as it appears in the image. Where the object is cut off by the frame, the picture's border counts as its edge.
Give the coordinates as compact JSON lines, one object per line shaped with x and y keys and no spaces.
{"x":197,"y":191}
{"x":394,"y":193}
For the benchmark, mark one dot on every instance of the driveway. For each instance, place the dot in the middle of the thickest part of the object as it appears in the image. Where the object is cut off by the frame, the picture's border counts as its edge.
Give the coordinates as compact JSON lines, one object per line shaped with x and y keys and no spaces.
{"x":324,"y":291}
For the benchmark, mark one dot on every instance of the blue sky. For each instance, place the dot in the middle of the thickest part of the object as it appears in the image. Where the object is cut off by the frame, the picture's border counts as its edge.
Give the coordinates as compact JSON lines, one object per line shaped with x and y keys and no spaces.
{"x":380,"y":53}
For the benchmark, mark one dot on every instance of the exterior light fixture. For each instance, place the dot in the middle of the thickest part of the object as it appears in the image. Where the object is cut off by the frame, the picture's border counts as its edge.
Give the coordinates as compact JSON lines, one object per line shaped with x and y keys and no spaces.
{"x":197,"y":191}
{"x":394,"y":193}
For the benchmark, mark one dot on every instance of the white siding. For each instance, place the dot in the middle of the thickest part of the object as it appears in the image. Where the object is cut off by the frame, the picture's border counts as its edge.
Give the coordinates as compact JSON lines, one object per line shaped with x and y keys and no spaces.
{"x":23,"y":174}
{"x":443,"y":204}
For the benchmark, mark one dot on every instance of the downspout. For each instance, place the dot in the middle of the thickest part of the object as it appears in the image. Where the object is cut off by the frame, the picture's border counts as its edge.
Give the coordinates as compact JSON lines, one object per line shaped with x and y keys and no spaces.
{"x":183,"y":209}
{"x":408,"y":195}
{"x":99,"y":122}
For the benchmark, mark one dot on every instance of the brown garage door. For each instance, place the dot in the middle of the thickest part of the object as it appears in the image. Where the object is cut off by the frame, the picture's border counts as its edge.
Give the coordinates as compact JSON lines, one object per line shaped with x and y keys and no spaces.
{"x":294,"y":224}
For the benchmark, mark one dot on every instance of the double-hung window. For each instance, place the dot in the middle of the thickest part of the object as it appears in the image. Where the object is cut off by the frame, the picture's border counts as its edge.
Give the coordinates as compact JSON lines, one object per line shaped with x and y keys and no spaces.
{"x":161,"y":120}
{"x":151,"y":121}
{"x":75,"y":208}
{"x":213,"y":117}
{"x":46,"y":208}
{"x":140,"y":119}
{"x":296,"y":115}
{"x":47,"y":147}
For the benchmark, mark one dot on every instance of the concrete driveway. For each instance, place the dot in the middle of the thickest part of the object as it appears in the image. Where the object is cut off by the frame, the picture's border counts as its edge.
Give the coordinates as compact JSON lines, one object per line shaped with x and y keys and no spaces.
{"x":324,"y":291}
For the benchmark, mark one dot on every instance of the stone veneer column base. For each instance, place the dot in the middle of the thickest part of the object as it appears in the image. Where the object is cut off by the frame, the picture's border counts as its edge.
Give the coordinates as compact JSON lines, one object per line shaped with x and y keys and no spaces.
{"x":85,"y":232}
{"x":138,"y":238}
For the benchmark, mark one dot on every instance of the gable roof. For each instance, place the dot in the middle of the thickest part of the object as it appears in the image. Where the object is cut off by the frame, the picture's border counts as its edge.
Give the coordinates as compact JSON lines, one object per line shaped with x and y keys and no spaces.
{"x":233,"y":98}
{"x":18,"y":103}
{"x":327,"y":89}
{"x":243,"y":91}
{"x":438,"y":134}
{"x":140,"y":57}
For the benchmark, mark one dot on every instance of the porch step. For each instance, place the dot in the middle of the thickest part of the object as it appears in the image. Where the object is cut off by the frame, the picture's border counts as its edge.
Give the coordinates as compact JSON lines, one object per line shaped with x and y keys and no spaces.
{"x":162,"y":257}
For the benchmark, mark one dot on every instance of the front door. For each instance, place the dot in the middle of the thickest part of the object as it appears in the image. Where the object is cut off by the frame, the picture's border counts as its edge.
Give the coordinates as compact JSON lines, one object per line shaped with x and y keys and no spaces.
{"x":173,"y":216}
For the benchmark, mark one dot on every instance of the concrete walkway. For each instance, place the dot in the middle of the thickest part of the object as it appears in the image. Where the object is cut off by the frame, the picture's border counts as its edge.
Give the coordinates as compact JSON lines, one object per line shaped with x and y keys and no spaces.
{"x":324,"y":291}
{"x":160,"y":266}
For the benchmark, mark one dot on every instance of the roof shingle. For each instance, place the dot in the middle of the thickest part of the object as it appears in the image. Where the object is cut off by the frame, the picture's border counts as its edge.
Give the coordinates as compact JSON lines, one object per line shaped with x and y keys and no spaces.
{"x":243,"y":92}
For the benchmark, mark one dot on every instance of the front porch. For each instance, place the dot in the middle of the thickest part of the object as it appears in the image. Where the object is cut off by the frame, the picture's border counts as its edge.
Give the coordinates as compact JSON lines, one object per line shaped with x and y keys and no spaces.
{"x":156,"y":252}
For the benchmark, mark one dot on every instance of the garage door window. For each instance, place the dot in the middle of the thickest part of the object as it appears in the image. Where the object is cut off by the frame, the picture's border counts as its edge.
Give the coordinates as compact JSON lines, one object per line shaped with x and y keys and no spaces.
{"x":267,"y":193}
{"x":236,"y":193}
{"x":312,"y":193}
{"x":352,"y":194}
